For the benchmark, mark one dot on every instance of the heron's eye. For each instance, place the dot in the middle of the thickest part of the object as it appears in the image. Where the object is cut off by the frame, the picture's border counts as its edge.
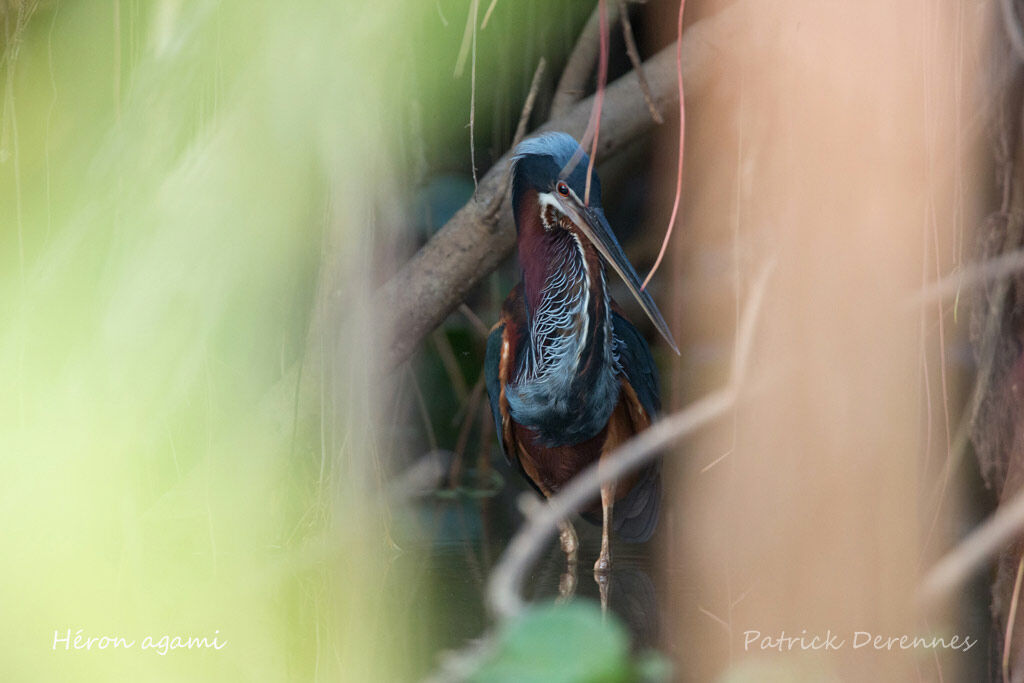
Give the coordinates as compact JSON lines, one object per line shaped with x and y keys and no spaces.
{"x":562,"y":188}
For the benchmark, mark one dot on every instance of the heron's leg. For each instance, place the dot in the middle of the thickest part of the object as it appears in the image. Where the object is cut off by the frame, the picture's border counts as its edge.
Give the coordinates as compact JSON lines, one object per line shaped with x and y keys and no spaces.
{"x":567,"y":537}
{"x":570,"y":546}
{"x":604,"y":560}
{"x":603,"y":579}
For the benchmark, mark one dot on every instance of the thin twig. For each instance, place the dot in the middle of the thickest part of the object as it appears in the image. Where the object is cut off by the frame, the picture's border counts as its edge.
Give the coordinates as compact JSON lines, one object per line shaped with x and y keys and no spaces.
{"x":487,"y":14}
{"x":682,"y":140}
{"x":1004,"y":265}
{"x":455,"y":472}
{"x":748,"y":323}
{"x":997,"y":270}
{"x":717,"y":619}
{"x":451,"y":365}
{"x":524,"y":119}
{"x":972,"y":553}
{"x":503,"y":594}
{"x":474,"y":320}
{"x":949,"y":460}
{"x":472,"y":100}
{"x":602,"y":79}
{"x":459,"y":665}
{"x":1010,"y":620}
{"x":634,"y":58}
{"x":717,"y":460}
{"x":483,"y":459}
{"x":421,"y":404}
{"x":467,"y":37}
{"x":531,"y":98}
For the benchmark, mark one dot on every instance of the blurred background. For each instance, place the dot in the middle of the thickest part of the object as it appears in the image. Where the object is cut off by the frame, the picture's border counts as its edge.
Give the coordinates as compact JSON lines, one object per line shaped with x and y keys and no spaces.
{"x":204,"y":431}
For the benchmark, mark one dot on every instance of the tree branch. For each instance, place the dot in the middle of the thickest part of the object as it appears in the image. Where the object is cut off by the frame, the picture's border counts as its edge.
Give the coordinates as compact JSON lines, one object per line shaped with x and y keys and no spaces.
{"x":427,"y":288}
{"x":580,"y":64}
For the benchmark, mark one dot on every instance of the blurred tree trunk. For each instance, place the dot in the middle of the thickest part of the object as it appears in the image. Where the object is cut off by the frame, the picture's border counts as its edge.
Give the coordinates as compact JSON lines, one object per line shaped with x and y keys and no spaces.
{"x":845,"y":155}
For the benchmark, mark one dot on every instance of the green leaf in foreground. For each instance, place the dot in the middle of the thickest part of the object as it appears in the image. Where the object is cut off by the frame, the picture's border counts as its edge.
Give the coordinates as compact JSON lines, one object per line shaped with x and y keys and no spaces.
{"x":553,"y":643}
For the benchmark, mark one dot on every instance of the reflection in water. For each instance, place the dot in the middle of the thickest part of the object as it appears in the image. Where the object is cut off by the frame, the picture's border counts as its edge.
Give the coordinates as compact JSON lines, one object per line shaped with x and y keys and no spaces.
{"x":461,"y":537}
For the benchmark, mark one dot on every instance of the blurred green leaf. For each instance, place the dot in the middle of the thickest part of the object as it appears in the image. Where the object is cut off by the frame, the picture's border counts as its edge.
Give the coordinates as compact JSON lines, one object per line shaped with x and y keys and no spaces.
{"x":653,"y":667}
{"x":570,"y":643}
{"x":768,"y":669}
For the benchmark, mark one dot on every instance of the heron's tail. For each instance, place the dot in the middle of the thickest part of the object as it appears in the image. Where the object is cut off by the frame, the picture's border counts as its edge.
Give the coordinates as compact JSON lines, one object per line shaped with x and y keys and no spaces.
{"x":635,"y":517}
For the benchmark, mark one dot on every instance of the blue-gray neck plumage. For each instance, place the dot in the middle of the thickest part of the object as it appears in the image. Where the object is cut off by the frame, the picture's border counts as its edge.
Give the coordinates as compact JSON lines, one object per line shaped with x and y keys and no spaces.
{"x":566,"y":385}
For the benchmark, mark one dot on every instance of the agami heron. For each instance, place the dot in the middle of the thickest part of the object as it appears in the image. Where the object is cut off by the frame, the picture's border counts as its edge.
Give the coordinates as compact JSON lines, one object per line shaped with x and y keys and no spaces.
{"x":569,"y":377}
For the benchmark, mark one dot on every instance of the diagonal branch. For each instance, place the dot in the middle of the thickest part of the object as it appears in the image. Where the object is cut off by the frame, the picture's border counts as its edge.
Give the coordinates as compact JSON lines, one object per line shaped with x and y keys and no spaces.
{"x":997,"y":268}
{"x":978,"y":549}
{"x":433,"y":283}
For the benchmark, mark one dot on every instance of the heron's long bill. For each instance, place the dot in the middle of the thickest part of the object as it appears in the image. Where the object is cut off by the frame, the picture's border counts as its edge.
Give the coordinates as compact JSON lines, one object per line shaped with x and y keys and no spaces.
{"x":595,"y":227}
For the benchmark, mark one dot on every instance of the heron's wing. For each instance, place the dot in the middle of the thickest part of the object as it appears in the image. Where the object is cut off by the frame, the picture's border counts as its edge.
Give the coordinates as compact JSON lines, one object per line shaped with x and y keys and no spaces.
{"x":492,"y":365}
{"x":499,"y":367}
{"x":637,"y":364}
{"x":636,"y":515}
